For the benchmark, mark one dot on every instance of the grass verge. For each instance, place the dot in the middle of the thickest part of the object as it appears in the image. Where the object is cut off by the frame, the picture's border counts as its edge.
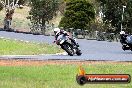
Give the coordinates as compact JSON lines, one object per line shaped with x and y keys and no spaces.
{"x":13,"y":47}
{"x":60,"y":75}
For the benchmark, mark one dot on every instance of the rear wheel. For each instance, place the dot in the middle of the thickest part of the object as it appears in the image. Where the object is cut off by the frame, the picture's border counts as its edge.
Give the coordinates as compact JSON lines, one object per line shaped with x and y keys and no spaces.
{"x":68,"y":48}
{"x":124,"y":47}
{"x":79,"y":53}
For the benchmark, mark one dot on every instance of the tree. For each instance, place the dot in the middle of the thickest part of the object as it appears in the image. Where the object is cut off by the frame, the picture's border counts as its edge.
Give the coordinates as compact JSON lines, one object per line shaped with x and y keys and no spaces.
{"x":112,"y":13}
{"x":42,"y":11}
{"x":1,"y":6}
{"x":127,"y":22}
{"x":78,"y":14}
{"x":9,"y":6}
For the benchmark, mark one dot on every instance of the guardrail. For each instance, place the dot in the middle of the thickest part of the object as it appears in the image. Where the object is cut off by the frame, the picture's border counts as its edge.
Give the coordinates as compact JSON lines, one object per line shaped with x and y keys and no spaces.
{"x":99,"y":36}
{"x":80,"y":34}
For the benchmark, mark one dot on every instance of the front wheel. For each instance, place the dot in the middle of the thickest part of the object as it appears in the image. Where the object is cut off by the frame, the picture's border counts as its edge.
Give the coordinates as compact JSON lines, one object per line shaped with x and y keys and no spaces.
{"x":124,"y":47}
{"x":68,"y":48}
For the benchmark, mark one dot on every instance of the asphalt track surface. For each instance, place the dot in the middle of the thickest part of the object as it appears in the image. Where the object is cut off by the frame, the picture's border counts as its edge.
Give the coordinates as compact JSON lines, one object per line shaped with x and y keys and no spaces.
{"x":91,"y":49}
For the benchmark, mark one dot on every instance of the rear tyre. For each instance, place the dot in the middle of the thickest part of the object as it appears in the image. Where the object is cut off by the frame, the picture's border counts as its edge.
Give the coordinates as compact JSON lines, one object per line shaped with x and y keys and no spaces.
{"x":124,"y":47}
{"x":79,"y":53}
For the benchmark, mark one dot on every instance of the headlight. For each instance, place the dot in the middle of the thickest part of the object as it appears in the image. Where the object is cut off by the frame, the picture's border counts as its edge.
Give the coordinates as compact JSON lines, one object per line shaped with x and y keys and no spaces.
{"x":62,"y":41}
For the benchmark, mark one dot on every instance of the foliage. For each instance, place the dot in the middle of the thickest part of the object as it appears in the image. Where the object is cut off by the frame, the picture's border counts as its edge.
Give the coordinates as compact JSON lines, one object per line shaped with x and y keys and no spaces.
{"x":78,"y":14}
{"x":20,"y":2}
{"x":1,"y":6}
{"x":113,"y":10}
{"x":127,"y":23}
{"x":42,"y":11}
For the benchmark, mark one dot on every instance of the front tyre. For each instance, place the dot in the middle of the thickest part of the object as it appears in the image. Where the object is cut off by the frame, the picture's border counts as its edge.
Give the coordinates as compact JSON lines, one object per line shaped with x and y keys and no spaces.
{"x":124,"y":47}
{"x":68,"y":48}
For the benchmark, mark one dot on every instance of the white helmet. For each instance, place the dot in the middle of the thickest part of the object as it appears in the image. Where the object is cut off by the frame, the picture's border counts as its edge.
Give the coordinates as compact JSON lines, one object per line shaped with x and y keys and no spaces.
{"x":56,"y":30}
{"x":122,"y":32}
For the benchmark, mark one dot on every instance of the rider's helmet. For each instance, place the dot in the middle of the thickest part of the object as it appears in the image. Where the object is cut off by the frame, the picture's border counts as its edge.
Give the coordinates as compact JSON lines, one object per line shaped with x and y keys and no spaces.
{"x":122,"y":33}
{"x":56,"y":30}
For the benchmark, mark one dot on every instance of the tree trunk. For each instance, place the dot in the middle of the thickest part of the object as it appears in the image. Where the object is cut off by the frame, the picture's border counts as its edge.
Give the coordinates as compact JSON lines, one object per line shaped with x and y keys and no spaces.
{"x":8,"y":19}
{"x":43,"y":26}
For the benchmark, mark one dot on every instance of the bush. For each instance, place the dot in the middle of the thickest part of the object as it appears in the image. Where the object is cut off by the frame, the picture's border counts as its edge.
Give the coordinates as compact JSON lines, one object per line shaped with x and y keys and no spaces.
{"x":1,"y":6}
{"x":78,"y":14}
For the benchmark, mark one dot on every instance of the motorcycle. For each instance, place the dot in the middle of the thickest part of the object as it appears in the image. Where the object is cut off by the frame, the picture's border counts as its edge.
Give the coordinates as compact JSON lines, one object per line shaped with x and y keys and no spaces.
{"x":67,"y":45}
{"x":126,"y":41}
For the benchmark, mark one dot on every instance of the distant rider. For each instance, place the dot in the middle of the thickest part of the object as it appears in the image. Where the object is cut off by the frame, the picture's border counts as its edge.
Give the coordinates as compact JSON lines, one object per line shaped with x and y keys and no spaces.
{"x":125,"y":38}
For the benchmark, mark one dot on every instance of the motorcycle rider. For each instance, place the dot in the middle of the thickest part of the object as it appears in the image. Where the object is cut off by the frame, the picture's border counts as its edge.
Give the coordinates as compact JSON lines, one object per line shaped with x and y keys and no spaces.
{"x":125,"y":38}
{"x":58,"y":31}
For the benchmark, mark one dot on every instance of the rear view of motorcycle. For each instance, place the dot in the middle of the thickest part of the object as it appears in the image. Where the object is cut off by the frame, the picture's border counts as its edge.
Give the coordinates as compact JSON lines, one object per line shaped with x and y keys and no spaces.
{"x":126,"y":41}
{"x":68,"y":45}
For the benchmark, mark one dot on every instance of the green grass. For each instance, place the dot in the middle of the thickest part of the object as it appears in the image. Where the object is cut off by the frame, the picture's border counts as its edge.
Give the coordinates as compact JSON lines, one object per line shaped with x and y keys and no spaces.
{"x":12,"y":47}
{"x":58,"y":76}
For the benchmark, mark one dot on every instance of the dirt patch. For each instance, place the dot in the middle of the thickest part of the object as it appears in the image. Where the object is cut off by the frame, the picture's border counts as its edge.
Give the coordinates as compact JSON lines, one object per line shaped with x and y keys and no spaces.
{"x":54,"y":62}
